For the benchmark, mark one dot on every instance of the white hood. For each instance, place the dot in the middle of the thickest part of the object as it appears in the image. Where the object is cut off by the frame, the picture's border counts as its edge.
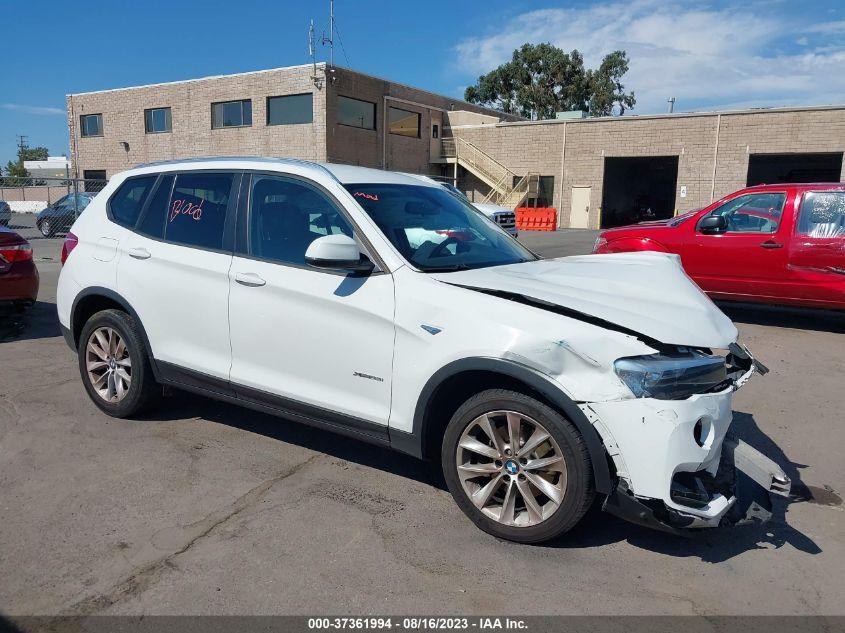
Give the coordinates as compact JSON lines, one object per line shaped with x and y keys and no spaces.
{"x":648,"y":293}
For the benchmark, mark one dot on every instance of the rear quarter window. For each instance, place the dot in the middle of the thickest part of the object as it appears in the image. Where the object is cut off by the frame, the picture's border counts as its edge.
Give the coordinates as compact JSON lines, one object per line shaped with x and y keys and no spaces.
{"x":822,"y":214}
{"x":126,"y":203}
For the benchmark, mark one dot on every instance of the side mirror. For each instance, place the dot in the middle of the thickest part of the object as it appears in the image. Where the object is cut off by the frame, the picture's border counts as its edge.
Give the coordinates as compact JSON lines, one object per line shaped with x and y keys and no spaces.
{"x":338,"y":252}
{"x":713,"y":224}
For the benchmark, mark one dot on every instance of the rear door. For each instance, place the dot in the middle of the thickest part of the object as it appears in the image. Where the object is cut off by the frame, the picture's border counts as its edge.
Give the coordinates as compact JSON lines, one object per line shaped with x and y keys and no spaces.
{"x":817,"y":253}
{"x":174,"y":270}
{"x":749,"y":258}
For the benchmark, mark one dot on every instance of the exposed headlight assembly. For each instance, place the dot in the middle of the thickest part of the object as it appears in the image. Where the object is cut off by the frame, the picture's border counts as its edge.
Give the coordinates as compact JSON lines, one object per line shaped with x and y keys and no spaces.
{"x":672,"y":377}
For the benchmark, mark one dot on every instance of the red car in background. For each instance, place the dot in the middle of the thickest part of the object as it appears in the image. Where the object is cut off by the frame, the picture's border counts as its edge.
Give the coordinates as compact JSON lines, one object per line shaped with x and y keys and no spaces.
{"x":781,"y":244}
{"x":18,"y":275}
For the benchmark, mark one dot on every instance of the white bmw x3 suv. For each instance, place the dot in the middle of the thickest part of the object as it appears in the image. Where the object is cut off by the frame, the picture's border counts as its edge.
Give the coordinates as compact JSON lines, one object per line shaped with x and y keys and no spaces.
{"x":384,"y":308}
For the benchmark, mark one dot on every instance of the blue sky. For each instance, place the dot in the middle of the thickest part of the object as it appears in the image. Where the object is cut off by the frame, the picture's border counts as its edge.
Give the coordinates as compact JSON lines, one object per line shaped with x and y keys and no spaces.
{"x":709,"y":55}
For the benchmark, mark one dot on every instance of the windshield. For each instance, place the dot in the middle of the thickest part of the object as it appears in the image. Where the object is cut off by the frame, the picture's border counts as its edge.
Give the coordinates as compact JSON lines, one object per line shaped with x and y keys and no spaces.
{"x":435,"y":230}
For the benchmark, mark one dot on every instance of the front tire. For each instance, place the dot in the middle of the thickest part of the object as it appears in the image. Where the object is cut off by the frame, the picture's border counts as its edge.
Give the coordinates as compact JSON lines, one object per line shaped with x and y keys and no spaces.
{"x":516,"y":467}
{"x":114,"y":364}
{"x":46,"y":228}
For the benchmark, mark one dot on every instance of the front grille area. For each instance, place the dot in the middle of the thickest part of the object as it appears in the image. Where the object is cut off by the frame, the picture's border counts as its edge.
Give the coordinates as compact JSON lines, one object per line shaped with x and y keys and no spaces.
{"x":506,"y":220}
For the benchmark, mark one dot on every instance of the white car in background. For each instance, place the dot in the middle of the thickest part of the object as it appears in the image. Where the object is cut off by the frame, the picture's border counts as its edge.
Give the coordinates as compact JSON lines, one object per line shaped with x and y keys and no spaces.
{"x":504,"y":217}
{"x":293,"y":288}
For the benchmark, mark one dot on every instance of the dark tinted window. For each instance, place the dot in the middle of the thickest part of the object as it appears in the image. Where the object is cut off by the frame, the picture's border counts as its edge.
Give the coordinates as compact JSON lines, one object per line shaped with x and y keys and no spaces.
{"x":231,"y":114}
{"x":356,"y":113}
{"x":823,"y":214}
{"x":403,"y":122}
{"x":286,"y":216}
{"x":290,"y":109}
{"x":152,"y":223}
{"x":158,"y":120}
{"x":126,"y":204}
{"x":91,"y":124}
{"x":197,"y":212}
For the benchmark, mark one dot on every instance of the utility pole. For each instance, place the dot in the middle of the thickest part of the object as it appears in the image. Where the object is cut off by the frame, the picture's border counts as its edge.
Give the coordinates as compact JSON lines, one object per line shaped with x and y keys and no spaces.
{"x":22,"y":145}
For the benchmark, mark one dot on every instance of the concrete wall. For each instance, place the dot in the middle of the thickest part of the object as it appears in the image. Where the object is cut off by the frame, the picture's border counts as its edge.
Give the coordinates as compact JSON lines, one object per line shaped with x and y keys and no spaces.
{"x":574,"y":151}
{"x":192,"y":134}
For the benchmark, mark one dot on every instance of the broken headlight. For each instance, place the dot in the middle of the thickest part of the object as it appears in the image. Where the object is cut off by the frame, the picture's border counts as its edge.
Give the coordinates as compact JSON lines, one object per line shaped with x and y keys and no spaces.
{"x":671,"y":376}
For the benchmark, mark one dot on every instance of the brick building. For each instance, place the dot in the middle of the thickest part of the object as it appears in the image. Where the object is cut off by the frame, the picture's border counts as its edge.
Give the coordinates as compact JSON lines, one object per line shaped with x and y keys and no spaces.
{"x":595,"y":171}
{"x":310,"y":112}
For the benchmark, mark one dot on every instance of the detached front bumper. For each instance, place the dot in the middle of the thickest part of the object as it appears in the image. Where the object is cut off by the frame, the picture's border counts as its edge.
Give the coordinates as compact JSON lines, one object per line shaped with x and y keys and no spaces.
{"x":677,"y":465}
{"x":746,"y":479}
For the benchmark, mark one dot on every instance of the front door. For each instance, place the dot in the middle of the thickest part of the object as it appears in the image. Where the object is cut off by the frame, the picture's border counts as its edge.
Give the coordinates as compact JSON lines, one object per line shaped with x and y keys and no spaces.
{"x":579,"y":216}
{"x":312,"y":341}
{"x":748,"y":258}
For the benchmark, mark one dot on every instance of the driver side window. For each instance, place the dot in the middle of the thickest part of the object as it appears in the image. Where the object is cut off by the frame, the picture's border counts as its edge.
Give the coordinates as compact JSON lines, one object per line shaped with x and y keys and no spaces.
{"x":752,"y":213}
{"x":286,"y":215}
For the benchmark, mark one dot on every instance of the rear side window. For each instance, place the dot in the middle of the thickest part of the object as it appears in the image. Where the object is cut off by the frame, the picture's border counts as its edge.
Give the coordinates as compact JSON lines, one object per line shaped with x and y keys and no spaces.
{"x":823,"y":214}
{"x":196,"y":215}
{"x":126,"y":204}
{"x":152,"y":223}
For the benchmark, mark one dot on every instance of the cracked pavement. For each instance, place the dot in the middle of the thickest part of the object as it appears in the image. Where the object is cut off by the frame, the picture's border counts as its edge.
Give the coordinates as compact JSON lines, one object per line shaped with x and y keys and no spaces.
{"x":207,"y":508}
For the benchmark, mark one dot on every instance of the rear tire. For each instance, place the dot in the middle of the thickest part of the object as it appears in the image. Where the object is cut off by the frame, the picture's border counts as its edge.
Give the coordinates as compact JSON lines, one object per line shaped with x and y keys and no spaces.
{"x":114,"y":364}
{"x":46,"y":228}
{"x":531,"y":483}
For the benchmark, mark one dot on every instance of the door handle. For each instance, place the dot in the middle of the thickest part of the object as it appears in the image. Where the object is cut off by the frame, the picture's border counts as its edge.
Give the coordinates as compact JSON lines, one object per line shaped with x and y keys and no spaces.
{"x":249,"y":279}
{"x":771,"y":244}
{"x":139,"y":253}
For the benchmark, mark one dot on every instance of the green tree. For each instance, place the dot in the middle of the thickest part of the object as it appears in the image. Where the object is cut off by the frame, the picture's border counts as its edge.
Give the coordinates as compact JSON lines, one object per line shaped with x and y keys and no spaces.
{"x":606,"y":89}
{"x":16,"y":169}
{"x":542,"y":79}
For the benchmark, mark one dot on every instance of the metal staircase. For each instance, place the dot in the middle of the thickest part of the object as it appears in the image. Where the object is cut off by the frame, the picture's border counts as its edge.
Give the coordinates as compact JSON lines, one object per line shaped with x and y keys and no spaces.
{"x":507,"y":188}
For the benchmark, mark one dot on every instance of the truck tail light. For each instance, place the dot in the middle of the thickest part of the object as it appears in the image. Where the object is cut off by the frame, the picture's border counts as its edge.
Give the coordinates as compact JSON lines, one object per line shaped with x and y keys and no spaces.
{"x":70,"y":243}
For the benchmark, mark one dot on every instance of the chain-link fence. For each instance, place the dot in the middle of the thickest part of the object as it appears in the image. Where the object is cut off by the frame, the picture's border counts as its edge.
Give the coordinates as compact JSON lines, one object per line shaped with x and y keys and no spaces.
{"x":40,"y":208}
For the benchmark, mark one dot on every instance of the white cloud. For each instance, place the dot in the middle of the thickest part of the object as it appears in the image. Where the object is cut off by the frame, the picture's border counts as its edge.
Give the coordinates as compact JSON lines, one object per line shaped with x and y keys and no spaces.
{"x":28,"y":109}
{"x":708,"y":58}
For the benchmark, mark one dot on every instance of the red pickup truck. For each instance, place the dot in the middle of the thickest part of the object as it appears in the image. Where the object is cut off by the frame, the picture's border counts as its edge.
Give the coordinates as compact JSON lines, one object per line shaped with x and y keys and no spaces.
{"x":781,"y":244}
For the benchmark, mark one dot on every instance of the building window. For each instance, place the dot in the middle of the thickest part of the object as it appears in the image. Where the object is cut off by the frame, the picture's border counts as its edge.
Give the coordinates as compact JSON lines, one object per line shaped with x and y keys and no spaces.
{"x":231,"y":114}
{"x":356,"y":113}
{"x":290,"y":109}
{"x":91,"y":124}
{"x":435,"y":131}
{"x":95,"y":179}
{"x":157,"y":120}
{"x":403,"y":122}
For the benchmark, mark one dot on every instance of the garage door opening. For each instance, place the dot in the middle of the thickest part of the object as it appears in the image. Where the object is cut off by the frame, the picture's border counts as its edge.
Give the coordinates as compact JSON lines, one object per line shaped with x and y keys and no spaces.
{"x":638,"y":189}
{"x":764,"y":169}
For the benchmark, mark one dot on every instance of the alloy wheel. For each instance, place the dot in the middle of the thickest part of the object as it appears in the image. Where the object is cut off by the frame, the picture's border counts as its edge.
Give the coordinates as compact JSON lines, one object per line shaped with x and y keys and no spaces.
{"x":46,"y":228}
{"x":108,"y":364}
{"x":511,"y":468}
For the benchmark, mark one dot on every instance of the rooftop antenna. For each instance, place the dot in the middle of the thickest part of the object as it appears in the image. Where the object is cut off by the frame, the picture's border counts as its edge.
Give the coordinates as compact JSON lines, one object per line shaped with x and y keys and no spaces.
{"x":330,"y":39}
{"x":313,"y":55}
{"x":671,"y":102}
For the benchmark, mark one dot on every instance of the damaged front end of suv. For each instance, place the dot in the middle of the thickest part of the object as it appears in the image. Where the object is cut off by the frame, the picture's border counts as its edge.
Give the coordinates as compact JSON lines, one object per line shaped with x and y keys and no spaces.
{"x":714,"y":478}
{"x":652,"y":364}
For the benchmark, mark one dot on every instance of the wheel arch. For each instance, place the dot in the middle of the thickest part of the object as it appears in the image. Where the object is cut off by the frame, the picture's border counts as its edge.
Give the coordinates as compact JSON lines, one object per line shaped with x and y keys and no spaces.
{"x":480,"y":373}
{"x":94,"y":299}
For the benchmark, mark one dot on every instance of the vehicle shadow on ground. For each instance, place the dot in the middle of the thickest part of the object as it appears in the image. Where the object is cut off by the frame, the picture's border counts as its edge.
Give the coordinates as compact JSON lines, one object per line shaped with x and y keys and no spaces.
{"x":181,"y":405}
{"x":716,"y":545}
{"x":787,"y":317}
{"x":596,"y":529}
{"x":37,"y":321}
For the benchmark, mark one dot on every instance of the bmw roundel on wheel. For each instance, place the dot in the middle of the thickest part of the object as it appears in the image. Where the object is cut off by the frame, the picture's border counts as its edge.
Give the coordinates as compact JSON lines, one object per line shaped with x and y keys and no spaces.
{"x":383,"y":307}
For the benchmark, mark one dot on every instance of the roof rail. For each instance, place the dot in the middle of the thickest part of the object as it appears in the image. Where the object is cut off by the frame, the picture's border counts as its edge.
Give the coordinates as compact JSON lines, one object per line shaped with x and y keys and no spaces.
{"x":263,"y":159}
